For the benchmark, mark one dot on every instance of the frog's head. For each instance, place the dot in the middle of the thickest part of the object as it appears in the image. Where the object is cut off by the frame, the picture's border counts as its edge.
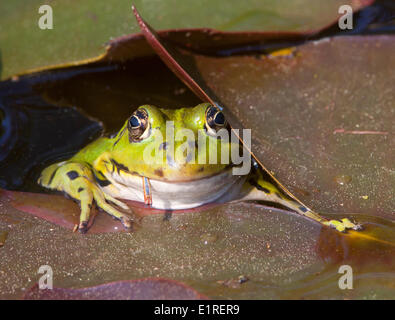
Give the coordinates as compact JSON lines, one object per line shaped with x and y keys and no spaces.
{"x":174,"y":145}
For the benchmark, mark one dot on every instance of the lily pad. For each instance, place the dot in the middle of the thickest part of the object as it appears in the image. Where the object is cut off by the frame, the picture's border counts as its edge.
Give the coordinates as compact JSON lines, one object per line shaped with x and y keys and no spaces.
{"x":301,"y":113}
{"x":141,"y":289}
{"x":59,"y":210}
{"x":81,"y":29}
{"x":299,"y":105}
{"x":323,"y":120}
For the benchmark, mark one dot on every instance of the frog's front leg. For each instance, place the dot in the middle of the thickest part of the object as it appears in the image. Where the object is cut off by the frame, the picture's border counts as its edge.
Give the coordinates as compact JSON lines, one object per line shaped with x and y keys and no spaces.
{"x":105,"y":165}
{"x":77,"y":180}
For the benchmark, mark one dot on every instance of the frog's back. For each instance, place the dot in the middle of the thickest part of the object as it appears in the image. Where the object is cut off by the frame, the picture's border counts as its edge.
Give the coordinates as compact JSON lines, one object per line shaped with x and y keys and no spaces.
{"x":93,"y":150}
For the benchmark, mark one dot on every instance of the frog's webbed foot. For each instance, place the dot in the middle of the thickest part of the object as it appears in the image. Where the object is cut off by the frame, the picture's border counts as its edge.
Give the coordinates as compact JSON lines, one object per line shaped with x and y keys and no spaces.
{"x":343,"y":225}
{"x":76,"y":180}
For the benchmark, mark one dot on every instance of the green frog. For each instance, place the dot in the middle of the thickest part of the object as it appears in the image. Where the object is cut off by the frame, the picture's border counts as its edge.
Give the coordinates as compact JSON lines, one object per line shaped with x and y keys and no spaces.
{"x":170,"y":159}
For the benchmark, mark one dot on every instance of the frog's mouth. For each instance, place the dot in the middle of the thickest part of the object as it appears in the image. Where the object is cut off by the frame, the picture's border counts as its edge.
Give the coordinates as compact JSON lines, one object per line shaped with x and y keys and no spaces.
{"x":176,"y":195}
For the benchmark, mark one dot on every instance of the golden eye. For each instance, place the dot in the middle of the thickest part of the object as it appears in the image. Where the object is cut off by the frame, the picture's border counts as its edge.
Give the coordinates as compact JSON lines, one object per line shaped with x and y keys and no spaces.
{"x":138,"y":125}
{"x":215,"y":120}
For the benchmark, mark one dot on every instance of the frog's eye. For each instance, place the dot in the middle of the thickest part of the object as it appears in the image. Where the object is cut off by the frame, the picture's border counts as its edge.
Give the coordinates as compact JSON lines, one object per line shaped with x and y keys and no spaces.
{"x":215,"y":120}
{"x":219,"y":119}
{"x":134,"y":122}
{"x":138,"y":126}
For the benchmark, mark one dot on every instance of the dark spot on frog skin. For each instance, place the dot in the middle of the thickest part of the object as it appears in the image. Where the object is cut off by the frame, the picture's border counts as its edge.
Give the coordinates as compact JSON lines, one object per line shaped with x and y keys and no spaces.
{"x":101,"y":182}
{"x":259,"y":187}
{"x":80,"y":189}
{"x":120,"y":136}
{"x":201,"y":169}
{"x":264,"y":189}
{"x":52,"y":176}
{"x":170,"y":160}
{"x":72,"y":175}
{"x":119,"y":166}
{"x":163,"y":146}
{"x":159,"y":172}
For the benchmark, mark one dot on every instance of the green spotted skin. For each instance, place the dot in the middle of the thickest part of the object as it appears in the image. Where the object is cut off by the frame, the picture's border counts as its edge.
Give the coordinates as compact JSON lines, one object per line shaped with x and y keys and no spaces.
{"x":111,"y":169}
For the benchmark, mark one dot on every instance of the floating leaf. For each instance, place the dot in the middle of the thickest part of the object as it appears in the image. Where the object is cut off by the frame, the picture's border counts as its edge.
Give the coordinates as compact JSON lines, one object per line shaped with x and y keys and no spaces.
{"x":323,"y":112}
{"x":63,"y":212}
{"x":81,"y":30}
{"x":141,"y":289}
{"x":3,"y":237}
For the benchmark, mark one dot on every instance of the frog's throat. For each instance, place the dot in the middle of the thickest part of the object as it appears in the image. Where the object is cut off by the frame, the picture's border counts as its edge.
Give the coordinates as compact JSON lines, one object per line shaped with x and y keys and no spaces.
{"x":167,"y":195}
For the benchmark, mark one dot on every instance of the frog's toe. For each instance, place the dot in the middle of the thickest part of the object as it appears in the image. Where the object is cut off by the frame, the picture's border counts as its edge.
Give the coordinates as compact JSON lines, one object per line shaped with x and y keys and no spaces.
{"x":85,"y":198}
{"x":335,"y":224}
{"x":83,"y":227}
{"x":101,"y":201}
{"x":343,"y":225}
{"x":116,"y":201}
{"x":358,"y":227}
{"x":127,"y":222}
{"x":349,"y":225}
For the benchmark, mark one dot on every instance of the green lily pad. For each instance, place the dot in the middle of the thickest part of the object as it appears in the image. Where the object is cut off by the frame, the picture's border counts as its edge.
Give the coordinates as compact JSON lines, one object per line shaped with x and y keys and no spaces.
{"x":81,"y":29}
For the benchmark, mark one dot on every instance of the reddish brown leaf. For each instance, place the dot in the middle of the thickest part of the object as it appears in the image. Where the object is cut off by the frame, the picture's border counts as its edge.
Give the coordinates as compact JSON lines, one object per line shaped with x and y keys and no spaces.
{"x":141,"y":289}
